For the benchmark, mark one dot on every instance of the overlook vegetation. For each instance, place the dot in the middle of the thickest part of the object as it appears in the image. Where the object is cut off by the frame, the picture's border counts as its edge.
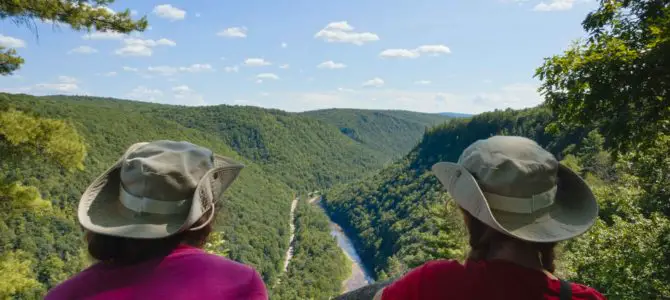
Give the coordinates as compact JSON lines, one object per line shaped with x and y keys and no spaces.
{"x":606,"y":116}
{"x":284,"y":153}
{"x":400,"y":221}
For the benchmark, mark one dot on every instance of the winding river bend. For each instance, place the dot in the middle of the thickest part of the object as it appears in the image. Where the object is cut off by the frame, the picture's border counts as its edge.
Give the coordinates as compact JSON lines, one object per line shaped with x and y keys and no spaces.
{"x":359,"y":277}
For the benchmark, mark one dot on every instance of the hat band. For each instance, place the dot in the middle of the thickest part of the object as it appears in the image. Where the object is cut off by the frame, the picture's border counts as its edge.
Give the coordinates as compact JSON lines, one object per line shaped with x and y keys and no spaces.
{"x":148,"y":205}
{"x":522,"y":205}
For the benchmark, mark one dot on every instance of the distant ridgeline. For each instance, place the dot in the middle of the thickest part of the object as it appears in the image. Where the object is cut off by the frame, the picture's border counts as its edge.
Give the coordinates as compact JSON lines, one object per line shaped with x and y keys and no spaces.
{"x":284,"y":153}
{"x":399,"y":220}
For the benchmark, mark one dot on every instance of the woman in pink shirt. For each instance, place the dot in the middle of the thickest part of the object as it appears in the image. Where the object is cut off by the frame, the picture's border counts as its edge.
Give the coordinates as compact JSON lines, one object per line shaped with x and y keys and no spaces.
{"x":146,"y":219}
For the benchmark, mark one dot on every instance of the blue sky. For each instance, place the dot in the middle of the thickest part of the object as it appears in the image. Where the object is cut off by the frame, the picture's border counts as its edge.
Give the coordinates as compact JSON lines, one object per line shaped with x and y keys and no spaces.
{"x":422,"y":55}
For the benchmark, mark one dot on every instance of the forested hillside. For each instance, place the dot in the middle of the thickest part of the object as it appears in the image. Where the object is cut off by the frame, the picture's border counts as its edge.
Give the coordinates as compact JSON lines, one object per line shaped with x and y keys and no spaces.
{"x":283,"y":153}
{"x":391,"y":132}
{"x":400,"y":219}
{"x":304,"y":152}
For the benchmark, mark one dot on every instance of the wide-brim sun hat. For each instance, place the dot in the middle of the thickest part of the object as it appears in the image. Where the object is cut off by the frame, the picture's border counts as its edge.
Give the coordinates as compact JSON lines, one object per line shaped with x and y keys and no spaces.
{"x":157,"y":189}
{"x":515,"y":186}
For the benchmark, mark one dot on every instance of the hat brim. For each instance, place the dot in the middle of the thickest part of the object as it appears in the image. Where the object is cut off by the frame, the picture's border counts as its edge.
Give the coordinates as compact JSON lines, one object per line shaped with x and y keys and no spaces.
{"x":101,"y":211}
{"x":573,"y":212}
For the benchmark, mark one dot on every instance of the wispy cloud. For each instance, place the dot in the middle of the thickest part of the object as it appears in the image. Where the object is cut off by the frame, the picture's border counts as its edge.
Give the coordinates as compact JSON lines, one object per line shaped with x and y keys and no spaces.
{"x":331,"y":65}
{"x":375,"y":82}
{"x":342,"y":32}
{"x":233,"y":32}
{"x":169,"y":12}
{"x":434,"y":50}
{"x":83,"y":50}
{"x":11,"y":42}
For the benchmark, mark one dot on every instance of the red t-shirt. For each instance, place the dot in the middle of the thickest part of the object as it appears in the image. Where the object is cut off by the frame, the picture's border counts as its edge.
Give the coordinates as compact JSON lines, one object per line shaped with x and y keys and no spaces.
{"x":494,"y":279}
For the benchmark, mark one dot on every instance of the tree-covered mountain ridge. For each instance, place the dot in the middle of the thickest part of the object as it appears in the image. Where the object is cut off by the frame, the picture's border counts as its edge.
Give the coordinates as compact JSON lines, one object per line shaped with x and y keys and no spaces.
{"x":399,"y":220}
{"x":284,"y":153}
{"x":391,"y":132}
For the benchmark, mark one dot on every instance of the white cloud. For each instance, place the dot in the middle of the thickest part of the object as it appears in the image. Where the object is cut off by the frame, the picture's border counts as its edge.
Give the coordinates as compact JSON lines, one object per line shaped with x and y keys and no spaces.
{"x":168,"y":70}
{"x":144,"y":93}
{"x":232,"y":69}
{"x":67,"y":79}
{"x":181,"y":89}
{"x":233,"y":32}
{"x":61,"y":87}
{"x":403,"y":53}
{"x":259,"y":80}
{"x":163,"y":70}
{"x":342,"y":32}
{"x":375,"y":82}
{"x":197,"y":15}
{"x":169,"y":12}
{"x":264,"y":94}
{"x":434,"y":50}
{"x":194,"y":68}
{"x":284,"y":66}
{"x":65,"y":84}
{"x":110,"y":74}
{"x":284,"y":45}
{"x":345,"y":90}
{"x":331,"y":65}
{"x":130,"y":69}
{"x":134,"y":50}
{"x":133,"y":12}
{"x":11,"y":42}
{"x":267,"y":76}
{"x":422,"y":82}
{"x":142,"y":47}
{"x":83,"y":50}
{"x":554,"y":5}
{"x":103,"y":35}
{"x":256,"y":62}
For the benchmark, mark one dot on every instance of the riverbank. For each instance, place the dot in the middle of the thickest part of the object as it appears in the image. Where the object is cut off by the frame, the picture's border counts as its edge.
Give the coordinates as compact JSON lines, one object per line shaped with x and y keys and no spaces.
{"x":359,"y":277}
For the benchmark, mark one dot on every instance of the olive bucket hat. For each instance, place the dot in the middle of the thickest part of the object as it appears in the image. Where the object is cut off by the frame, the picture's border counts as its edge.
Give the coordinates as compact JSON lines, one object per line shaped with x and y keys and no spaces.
{"x":513,"y":185}
{"x":157,"y":189}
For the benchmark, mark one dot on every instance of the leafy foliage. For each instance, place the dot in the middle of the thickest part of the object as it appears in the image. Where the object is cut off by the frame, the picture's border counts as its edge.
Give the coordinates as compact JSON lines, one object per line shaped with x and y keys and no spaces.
{"x":253,"y":217}
{"x":398,"y":216}
{"x":393,"y":213}
{"x":78,"y":14}
{"x":391,"y":132}
{"x":303,"y":152}
{"x":619,"y":77}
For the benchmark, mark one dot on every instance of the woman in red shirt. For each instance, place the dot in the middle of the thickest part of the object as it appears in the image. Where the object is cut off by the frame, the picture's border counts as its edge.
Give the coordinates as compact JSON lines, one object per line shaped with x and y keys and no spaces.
{"x":518,"y":201}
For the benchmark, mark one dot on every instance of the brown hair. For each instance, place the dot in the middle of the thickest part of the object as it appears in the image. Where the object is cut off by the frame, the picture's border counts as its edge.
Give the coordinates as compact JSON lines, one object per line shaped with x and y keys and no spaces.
{"x":125,"y":251}
{"x":483,"y":238}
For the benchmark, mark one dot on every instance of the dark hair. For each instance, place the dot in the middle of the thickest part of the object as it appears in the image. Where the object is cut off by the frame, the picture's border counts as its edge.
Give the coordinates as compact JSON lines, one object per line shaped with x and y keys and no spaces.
{"x":483,"y":238}
{"x":124,"y":251}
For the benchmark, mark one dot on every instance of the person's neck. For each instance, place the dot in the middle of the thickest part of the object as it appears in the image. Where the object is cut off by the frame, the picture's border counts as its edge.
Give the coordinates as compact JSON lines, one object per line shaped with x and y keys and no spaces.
{"x":519,"y":253}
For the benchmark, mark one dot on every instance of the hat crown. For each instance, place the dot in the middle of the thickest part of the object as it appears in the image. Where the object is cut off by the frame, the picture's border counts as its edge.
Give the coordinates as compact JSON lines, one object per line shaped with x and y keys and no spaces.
{"x":511,"y":166}
{"x":165,"y":170}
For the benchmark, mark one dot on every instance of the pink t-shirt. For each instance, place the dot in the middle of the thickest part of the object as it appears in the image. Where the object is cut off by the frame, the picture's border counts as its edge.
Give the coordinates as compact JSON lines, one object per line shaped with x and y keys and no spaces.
{"x":187,"y":273}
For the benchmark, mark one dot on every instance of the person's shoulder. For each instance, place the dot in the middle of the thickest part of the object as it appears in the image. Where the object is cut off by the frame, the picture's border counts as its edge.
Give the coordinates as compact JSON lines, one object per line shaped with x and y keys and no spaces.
{"x":443,"y":267}
{"x":580,"y":291}
{"x":213,"y":261}
{"x":69,"y":288}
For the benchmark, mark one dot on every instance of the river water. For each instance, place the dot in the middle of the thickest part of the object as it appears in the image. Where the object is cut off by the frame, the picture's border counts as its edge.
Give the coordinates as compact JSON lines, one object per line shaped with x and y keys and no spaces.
{"x":359,"y":276}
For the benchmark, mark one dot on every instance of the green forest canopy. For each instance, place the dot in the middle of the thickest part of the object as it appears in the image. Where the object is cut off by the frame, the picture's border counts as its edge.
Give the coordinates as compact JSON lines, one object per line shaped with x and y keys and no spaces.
{"x":285,"y":153}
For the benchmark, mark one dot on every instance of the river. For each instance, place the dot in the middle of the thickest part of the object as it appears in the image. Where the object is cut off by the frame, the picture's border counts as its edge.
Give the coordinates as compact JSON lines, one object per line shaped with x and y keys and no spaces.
{"x":359,"y":277}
